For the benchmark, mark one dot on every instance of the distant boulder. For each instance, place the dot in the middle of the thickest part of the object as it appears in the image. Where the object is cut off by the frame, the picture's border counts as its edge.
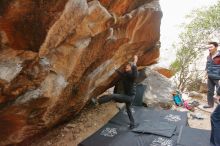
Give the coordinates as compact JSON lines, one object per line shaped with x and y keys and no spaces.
{"x":166,"y":72}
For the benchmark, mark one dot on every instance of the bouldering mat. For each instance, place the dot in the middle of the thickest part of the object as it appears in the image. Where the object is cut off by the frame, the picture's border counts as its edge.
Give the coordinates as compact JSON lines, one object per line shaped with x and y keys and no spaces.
{"x":193,"y":137}
{"x":117,"y":133}
{"x":157,"y":128}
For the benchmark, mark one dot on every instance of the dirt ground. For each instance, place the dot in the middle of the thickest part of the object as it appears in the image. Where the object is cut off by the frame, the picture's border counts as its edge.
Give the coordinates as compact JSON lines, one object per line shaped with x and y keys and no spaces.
{"x":70,"y":134}
{"x":203,"y":122}
{"x":94,"y":117}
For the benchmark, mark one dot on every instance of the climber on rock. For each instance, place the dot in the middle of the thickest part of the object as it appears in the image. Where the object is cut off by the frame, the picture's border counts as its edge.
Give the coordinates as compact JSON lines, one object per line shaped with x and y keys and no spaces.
{"x":128,"y":77}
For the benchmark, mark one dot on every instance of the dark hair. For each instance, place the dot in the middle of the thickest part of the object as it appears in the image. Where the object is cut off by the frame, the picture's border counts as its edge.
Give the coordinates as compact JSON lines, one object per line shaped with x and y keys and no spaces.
{"x":213,"y":43}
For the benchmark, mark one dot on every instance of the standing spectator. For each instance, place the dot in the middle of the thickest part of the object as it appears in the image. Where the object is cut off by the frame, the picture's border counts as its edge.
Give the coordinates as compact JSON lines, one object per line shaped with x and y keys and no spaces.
{"x":213,"y":71}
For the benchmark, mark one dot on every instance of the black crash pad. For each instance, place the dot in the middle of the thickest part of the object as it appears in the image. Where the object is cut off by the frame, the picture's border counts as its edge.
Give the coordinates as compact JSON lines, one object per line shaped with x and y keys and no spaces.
{"x":193,"y":137}
{"x":158,"y":128}
{"x":142,"y":114}
{"x":117,"y":133}
{"x":112,"y":135}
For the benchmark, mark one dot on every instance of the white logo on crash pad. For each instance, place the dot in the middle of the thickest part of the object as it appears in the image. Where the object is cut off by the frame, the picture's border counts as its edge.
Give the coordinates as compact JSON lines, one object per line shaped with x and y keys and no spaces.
{"x":173,"y":118}
{"x":109,"y":132}
{"x":162,"y":142}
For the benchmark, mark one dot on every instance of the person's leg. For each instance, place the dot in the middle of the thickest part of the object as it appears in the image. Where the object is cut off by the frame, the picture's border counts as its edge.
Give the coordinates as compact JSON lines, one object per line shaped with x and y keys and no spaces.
{"x":105,"y":98}
{"x":115,"y":97}
{"x":215,"y":123}
{"x":210,"y":94}
{"x":122,"y":99}
{"x":130,"y":116}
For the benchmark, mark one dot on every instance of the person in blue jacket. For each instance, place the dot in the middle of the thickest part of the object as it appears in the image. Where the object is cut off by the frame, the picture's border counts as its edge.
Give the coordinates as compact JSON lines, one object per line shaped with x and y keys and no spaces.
{"x":213,"y":72}
{"x":128,"y":77}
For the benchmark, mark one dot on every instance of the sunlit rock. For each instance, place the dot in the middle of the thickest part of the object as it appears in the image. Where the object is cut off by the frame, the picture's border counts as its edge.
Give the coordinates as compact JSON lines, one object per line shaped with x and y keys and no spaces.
{"x":56,"y":55}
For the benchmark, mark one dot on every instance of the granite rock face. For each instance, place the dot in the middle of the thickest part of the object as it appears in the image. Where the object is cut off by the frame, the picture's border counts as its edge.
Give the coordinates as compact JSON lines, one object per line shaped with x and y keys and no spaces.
{"x":55,"y":55}
{"x":159,"y":89}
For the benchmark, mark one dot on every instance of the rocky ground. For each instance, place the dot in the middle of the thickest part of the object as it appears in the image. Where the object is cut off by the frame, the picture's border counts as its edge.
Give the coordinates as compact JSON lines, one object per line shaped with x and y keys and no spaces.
{"x":73,"y":132}
{"x":200,"y":118}
{"x":92,"y":118}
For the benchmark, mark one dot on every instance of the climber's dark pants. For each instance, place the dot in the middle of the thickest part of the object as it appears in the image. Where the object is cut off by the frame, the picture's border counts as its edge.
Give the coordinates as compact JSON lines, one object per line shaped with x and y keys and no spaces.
{"x":122,"y":99}
{"x":215,"y":125}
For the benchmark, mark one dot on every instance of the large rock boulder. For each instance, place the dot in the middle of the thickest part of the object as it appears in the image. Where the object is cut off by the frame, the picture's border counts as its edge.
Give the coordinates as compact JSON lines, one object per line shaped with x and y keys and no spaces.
{"x":159,"y":89}
{"x":153,"y":89}
{"x":56,"y":55}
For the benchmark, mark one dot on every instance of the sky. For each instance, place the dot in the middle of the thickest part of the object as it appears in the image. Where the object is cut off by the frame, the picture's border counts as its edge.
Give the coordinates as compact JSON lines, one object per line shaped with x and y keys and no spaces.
{"x":174,"y":12}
